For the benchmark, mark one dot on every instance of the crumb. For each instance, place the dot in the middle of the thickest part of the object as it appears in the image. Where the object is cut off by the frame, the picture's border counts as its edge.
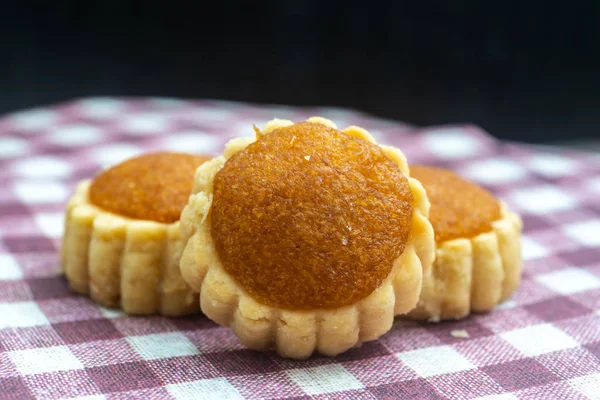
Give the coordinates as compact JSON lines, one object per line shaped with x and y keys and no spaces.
{"x":292,"y":141}
{"x":460,"y":333}
{"x":307,"y":158}
{"x":206,"y":208}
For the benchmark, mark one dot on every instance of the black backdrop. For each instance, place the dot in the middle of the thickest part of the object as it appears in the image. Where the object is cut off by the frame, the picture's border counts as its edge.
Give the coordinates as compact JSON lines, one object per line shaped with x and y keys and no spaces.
{"x":522,"y":71}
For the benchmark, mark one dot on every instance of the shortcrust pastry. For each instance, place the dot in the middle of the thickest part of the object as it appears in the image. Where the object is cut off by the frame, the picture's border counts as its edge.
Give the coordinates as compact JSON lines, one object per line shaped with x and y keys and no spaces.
{"x":478,"y":248}
{"x":122,"y":238}
{"x":306,"y":238}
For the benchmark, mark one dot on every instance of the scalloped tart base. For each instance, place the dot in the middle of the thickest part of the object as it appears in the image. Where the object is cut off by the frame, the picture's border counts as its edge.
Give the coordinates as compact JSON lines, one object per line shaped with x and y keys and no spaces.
{"x":473,"y":274}
{"x":121,"y":262}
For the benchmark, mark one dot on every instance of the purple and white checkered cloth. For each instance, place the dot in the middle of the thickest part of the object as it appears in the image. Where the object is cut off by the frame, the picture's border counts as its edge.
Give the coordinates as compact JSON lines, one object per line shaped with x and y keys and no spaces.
{"x":543,"y":343}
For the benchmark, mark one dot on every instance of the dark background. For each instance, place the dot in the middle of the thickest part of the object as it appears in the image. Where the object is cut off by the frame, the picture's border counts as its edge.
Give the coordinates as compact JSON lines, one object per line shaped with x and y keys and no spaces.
{"x":527,"y":71}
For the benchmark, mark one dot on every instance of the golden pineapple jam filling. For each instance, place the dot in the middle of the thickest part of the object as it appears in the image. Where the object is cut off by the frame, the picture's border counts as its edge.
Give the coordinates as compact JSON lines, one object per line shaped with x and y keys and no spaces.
{"x":308,"y":217}
{"x":154,"y":187}
{"x":459,"y":209}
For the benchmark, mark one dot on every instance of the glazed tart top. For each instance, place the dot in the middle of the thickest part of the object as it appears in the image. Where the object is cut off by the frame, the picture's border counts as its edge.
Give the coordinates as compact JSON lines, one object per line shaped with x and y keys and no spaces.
{"x":459,"y":208}
{"x":152,"y":187}
{"x":308,"y":217}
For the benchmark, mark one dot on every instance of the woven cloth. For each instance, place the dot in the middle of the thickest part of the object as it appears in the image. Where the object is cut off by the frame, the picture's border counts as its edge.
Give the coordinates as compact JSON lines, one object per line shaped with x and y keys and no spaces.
{"x":543,"y":343}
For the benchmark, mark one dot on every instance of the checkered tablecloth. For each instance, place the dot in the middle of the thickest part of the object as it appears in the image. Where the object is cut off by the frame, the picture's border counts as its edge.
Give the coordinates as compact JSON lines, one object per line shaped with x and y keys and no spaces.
{"x":544,"y":343}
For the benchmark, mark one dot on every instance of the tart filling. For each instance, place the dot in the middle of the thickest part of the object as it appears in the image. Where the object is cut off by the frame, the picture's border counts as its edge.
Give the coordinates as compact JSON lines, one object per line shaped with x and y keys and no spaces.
{"x":478,"y":248}
{"x":122,"y":238}
{"x":307,"y":238}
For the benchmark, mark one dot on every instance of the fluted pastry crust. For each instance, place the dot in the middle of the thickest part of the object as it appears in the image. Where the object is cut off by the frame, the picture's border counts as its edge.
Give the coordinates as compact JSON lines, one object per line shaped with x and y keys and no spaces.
{"x":122,"y":262}
{"x":293,"y":333}
{"x":473,"y":274}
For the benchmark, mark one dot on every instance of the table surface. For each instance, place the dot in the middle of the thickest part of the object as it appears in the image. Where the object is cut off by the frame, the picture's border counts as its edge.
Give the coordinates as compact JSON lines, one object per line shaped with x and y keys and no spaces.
{"x":542,"y":343}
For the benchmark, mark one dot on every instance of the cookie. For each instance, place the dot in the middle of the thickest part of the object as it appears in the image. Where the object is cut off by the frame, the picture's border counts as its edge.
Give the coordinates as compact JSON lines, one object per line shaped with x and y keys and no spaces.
{"x":478,"y":248}
{"x":306,"y":238}
{"x":122,"y":238}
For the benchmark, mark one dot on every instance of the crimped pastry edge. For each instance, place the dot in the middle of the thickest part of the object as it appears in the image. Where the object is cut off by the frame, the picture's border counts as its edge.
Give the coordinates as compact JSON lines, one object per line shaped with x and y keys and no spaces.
{"x":122,"y":262}
{"x":297,"y":334}
{"x":473,"y":274}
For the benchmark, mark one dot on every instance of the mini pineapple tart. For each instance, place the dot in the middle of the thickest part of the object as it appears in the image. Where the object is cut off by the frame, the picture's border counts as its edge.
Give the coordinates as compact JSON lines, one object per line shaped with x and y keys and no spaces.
{"x":122,"y":238}
{"x":478,"y":248}
{"x":306,"y":238}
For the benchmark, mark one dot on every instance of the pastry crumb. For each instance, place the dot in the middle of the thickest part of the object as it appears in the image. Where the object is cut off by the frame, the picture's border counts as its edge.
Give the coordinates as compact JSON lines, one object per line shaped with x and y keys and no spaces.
{"x":206,"y":208}
{"x":460,"y":333}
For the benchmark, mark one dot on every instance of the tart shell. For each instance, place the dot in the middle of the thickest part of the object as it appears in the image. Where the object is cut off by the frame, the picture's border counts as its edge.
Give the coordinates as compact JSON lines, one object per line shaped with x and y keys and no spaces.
{"x":122,"y":262}
{"x":473,"y":274}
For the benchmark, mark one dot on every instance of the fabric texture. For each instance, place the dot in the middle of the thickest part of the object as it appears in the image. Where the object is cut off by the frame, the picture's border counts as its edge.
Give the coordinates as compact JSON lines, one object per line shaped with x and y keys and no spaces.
{"x":542,"y":343}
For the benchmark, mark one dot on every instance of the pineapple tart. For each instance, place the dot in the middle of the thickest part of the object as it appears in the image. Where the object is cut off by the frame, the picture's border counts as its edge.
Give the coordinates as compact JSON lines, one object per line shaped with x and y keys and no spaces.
{"x":478,"y":248}
{"x":306,"y":238}
{"x":122,"y":238}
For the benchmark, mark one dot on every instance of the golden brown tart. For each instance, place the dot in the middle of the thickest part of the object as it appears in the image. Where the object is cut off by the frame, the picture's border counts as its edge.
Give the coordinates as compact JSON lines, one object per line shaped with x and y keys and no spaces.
{"x":306,"y":238}
{"x":122,"y":238}
{"x":478,"y":247}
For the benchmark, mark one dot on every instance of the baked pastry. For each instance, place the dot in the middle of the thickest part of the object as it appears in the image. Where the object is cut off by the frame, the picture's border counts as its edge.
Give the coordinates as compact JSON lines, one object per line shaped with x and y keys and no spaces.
{"x":306,"y":238}
{"x":478,"y":248}
{"x":122,"y":239}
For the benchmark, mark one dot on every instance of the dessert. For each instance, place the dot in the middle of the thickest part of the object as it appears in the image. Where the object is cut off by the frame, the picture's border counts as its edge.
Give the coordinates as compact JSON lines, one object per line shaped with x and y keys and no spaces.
{"x":306,"y":238}
{"x":122,"y":237}
{"x":478,"y":248}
